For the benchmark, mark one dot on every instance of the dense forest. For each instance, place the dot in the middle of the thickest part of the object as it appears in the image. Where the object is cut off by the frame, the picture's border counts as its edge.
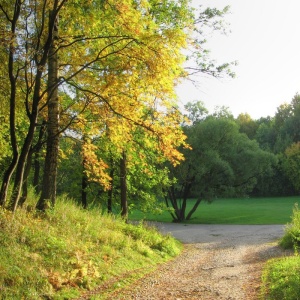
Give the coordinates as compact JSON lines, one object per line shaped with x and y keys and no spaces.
{"x":88,"y":109}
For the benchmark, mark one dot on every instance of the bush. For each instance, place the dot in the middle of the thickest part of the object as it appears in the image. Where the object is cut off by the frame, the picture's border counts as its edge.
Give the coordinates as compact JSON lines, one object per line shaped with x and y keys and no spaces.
{"x":291,"y":238}
{"x":281,"y":276}
{"x":281,"y":279}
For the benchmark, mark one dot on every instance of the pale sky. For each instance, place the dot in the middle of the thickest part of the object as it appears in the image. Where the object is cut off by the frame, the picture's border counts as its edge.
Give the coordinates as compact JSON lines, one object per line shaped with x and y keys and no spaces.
{"x":265,"y":40}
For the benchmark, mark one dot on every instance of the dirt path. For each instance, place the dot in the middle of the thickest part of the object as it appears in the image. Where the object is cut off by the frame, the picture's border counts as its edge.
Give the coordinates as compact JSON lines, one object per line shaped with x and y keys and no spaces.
{"x":219,"y":262}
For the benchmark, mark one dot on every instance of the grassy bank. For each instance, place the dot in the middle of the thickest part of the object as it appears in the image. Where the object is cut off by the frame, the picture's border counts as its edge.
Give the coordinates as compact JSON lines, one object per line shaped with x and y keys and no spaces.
{"x":281,"y":276}
{"x":276,"y":210}
{"x":70,"y":251}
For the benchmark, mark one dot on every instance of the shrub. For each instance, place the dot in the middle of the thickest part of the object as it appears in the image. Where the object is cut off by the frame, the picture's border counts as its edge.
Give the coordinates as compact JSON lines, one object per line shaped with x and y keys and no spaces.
{"x":281,"y":279}
{"x":291,"y":237}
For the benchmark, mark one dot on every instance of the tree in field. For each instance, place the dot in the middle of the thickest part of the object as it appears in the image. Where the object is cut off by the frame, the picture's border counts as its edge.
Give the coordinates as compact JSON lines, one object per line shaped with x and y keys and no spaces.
{"x":222,"y":162}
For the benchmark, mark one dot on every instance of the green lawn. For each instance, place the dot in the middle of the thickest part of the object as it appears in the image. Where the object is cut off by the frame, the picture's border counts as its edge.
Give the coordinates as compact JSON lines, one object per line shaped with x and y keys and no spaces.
{"x":234,"y":211}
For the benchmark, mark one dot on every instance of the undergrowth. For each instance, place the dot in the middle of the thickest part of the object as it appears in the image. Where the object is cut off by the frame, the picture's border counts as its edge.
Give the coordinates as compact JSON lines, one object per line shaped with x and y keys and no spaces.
{"x":68,"y":251}
{"x":281,"y":276}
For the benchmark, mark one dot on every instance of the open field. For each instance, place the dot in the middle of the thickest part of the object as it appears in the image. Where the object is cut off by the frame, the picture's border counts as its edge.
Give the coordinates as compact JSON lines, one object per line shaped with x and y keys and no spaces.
{"x":276,"y":210}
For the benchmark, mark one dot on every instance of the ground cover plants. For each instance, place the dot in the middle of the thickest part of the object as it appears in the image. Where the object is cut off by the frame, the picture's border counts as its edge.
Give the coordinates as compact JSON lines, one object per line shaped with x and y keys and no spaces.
{"x":281,"y":276}
{"x":273,"y":210}
{"x":68,"y":251}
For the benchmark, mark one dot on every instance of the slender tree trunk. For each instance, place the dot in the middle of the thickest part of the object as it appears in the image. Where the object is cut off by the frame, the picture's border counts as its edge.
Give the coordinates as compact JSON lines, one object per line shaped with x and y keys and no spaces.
{"x":180,"y":210}
{"x":111,"y":190}
{"x":51,"y":160}
{"x":168,"y":206}
{"x":28,"y":165}
{"x":12,"y":113}
{"x":40,"y":62}
{"x":25,"y":181}
{"x":37,"y":165}
{"x":193,"y":209}
{"x":36,"y":174}
{"x":84,"y":179}
{"x":21,"y":165}
{"x":173,"y":200}
{"x":84,"y":185}
{"x":27,"y":142}
{"x":186,"y":191}
{"x":123,"y":187}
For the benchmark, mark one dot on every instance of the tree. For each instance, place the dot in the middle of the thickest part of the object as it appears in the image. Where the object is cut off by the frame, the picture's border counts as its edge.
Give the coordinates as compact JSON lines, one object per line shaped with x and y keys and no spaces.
{"x":222,"y":162}
{"x":121,"y":61}
{"x":291,"y":164}
{"x":266,"y":134}
{"x":247,"y":125}
{"x":196,"y":111}
{"x":9,"y":19}
{"x":105,"y":51}
{"x":51,"y":159}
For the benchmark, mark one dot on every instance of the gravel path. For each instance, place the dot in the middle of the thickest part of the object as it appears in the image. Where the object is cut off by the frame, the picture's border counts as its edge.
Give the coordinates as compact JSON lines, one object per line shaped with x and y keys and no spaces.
{"x":218,"y":262}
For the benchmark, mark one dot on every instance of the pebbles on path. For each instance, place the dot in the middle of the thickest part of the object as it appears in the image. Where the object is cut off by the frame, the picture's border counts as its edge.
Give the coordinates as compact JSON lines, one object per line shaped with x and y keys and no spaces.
{"x":219,"y":262}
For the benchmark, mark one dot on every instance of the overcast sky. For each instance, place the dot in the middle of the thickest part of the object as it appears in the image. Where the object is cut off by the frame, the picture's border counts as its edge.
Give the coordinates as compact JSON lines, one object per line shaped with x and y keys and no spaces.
{"x":265,"y":40}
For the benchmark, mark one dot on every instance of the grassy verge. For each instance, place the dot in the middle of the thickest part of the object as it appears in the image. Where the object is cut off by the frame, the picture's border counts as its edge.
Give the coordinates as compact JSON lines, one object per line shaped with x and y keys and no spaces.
{"x":281,"y":276}
{"x":69,"y":251}
{"x":234,"y":211}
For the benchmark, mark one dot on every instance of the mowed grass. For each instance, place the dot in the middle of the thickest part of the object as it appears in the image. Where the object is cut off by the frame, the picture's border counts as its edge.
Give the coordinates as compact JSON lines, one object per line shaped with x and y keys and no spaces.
{"x":251,"y":211}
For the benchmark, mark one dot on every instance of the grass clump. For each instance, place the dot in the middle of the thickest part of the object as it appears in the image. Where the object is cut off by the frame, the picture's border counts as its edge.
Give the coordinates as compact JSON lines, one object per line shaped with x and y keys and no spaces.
{"x":281,"y":276}
{"x":281,"y":279}
{"x":291,"y":238}
{"x":68,"y":251}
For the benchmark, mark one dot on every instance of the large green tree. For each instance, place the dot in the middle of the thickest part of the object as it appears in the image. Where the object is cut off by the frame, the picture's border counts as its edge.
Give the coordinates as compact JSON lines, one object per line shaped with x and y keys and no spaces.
{"x":221,"y":162}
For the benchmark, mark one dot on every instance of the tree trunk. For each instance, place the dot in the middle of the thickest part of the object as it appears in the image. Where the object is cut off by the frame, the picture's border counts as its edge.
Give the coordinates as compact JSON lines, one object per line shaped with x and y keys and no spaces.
{"x":36,"y":174}
{"x":84,"y":185}
{"x":193,"y":209}
{"x":111,"y":190}
{"x":123,"y":187}
{"x":51,"y":161}
{"x":33,"y":150}
{"x":168,"y":206}
{"x":22,"y":163}
{"x":25,"y":181}
{"x":12,"y":113}
{"x":37,"y":165}
{"x":33,"y":115}
{"x":180,"y":210}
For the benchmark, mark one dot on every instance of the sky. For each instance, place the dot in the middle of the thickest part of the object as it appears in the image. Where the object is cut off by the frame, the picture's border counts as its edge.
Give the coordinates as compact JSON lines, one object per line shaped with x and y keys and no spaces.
{"x":265,"y":41}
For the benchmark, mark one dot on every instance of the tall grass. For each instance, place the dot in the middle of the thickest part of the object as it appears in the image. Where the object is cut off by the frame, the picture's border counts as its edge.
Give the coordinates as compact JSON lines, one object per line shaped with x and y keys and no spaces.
{"x":68,"y":250}
{"x":281,"y":276}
